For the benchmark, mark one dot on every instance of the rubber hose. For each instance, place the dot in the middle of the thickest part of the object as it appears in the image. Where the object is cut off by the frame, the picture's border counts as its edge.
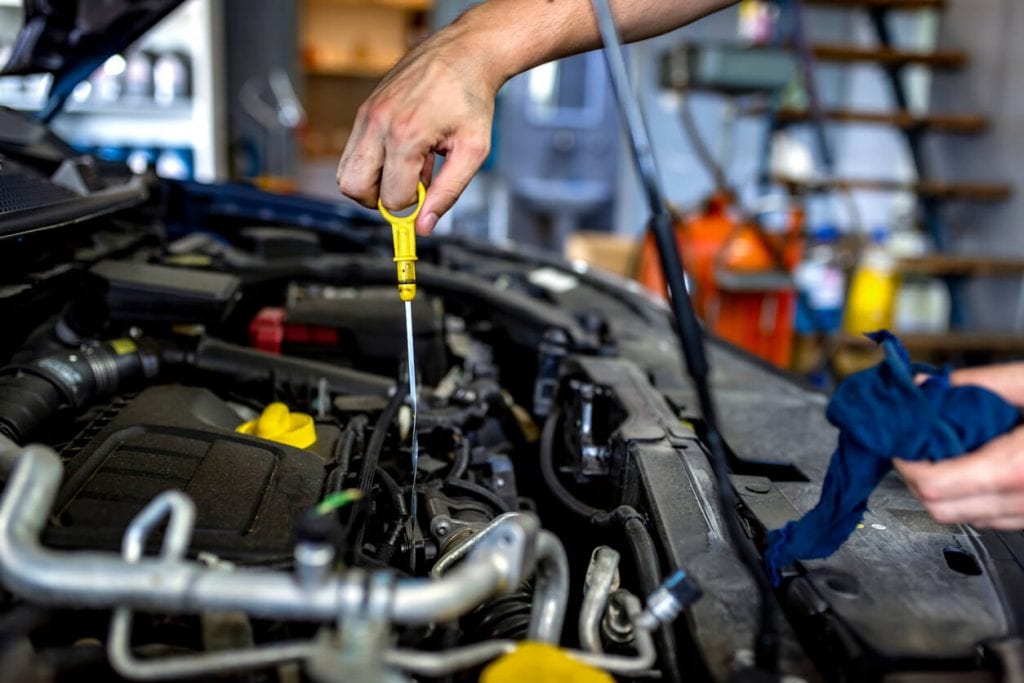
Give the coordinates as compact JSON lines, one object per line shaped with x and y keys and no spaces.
{"x":376,"y":445}
{"x":547,"y":471}
{"x":461,"y":463}
{"x":395,"y":492}
{"x":645,"y":558}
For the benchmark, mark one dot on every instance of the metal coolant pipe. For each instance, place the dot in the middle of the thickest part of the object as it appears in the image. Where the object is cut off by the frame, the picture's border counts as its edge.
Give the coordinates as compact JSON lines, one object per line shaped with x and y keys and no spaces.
{"x":166,"y":584}
{"x":602,"y":578}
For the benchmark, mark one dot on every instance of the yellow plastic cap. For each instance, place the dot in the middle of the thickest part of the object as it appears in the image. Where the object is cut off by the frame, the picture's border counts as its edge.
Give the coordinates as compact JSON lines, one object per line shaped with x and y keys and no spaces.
{"x":277,"y":423}
{"x":542,"y":663}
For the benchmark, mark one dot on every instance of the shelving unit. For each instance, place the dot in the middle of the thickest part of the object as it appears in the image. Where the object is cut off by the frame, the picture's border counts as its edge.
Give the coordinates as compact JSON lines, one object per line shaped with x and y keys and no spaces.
{"x":965,"y":124}
{"x":888,"y":56}
{"x":931,"y":193}
{"x":197,"y":124}
{"x":947,"y":343}
{"x":355,"y":68}
{"x":961,"y":266}
{"x":349,"y":39}
{"x":413,"y":5}
{"x":927,"y":189}
{"x":759,"y":86}
{"x":882,"y":4}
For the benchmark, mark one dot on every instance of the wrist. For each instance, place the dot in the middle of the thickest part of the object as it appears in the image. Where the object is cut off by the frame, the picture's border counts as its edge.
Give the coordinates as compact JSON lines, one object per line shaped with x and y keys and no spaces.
{"x":476,"y":37}
{"x":500,"y":48}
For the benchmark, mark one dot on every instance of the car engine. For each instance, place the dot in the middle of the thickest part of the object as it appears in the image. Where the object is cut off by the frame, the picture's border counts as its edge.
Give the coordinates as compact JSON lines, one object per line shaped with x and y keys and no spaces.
{"x":219,"y":477}
{"x":205,"y":453}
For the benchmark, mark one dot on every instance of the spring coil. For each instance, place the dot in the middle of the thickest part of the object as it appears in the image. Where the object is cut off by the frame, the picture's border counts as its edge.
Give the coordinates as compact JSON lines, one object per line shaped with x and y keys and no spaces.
{"x":506,"y":617}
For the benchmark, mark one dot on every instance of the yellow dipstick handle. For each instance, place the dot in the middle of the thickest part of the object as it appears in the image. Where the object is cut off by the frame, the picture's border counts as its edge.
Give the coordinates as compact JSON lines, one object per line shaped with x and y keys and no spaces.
{"x":404,"y":232}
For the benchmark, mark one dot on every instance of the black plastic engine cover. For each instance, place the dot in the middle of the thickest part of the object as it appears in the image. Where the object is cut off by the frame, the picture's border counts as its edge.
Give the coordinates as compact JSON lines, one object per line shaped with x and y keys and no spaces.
{"x":248,"y":491}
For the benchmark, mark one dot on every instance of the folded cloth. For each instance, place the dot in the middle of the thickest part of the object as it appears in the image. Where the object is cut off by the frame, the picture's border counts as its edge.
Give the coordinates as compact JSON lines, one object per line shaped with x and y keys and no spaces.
{"x":884,"y":413}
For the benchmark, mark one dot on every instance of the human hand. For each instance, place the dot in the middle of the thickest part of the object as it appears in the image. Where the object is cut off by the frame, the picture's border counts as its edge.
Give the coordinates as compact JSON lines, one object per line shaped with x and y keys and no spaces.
{"x":439,"y":99}
{"x":984,"y":488}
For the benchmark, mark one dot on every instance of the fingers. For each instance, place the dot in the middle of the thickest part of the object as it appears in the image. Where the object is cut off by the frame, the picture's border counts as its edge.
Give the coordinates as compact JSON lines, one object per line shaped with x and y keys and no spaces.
{"x":1004,"y":523}
{"x":465,"y":155}
{"x":384,"y":162}
{"x":437,"y":100}
{"x":407,"y":147}
{"x":996,"y":467}
{"x":984,"y":488}
{"x":388,"y":165}
{"x":358,"y":174}
{"x":427,"y":173}
{"x":978,"y":510}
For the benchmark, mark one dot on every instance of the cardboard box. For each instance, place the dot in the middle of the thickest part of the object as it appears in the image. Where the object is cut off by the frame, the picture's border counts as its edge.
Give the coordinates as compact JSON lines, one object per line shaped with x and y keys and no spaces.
{"x":608,"y":251}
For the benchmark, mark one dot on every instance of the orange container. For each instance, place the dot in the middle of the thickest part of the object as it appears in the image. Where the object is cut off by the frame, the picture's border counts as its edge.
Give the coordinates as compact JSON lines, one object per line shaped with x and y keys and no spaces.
{"x":739,"y":277}
{"x":759,"y":322}
{"x":700,"y":239}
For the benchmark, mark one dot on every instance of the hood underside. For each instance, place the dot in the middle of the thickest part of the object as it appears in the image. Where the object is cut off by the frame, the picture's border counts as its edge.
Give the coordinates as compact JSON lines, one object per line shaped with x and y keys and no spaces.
{"x":71,"y":38}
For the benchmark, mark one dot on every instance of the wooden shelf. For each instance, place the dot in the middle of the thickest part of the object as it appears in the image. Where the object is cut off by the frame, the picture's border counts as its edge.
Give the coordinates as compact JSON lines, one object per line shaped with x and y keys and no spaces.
{"x":409,"y":5}
{"x":946,"y":123}
{"x":975,"y":192}
{"x":349,"y":71}
{"x":882,"y":4}
{"x":838,"y":52}
{"x":978,"y":266}
{"x":946,"y":342}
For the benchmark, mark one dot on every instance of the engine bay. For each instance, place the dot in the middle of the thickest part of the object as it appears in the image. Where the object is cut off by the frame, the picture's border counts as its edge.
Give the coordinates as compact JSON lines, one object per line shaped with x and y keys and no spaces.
{"x":208,"y":471}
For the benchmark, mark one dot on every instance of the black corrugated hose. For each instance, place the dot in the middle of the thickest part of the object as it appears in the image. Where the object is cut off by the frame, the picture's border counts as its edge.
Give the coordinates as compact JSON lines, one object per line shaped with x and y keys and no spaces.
{"x":373,"y":449}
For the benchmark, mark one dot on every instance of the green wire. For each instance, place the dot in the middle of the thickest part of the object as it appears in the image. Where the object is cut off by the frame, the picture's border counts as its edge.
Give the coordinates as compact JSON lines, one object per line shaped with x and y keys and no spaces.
{"x":338,"y":499}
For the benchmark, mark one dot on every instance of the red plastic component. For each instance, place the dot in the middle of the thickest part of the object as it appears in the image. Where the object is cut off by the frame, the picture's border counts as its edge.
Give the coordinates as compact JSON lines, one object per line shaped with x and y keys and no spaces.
{"x":296,"y":334}
{"x":324,"y":336}
{"x":267,"y":330}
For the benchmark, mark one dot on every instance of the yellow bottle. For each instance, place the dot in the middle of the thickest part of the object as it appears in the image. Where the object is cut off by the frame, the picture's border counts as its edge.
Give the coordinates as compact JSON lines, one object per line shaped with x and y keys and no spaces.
{"x":871,"y":300}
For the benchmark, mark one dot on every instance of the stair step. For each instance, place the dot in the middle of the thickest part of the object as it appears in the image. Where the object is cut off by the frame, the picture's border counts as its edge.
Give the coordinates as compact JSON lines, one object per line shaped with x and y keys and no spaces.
{"x":978,"y":266}
{"x":839,"y":52}
{"x":973,"y":191}
{"x":947,"y":123}
{"x":882,"y":4}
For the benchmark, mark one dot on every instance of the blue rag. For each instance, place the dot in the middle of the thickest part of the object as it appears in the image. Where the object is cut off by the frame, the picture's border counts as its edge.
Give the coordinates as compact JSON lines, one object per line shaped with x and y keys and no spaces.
{"x":883,"y":413}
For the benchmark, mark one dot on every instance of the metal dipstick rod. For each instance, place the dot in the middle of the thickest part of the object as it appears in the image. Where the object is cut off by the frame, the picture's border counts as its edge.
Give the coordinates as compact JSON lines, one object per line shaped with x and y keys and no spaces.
{"x":403,"y":231}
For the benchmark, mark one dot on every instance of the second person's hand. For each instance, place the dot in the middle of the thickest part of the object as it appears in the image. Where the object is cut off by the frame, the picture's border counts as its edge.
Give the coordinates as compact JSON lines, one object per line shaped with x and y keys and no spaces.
{"x":984,"y":488}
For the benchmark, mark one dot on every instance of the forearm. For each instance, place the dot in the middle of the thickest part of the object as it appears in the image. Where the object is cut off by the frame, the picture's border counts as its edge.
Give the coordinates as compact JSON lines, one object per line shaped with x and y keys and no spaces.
{"x":1006,"y":379}
{"x":516,"y":35}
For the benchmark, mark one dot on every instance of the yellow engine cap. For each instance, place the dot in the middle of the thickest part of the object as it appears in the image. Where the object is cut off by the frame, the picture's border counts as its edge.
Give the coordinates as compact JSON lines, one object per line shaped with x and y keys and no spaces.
{"x":541,"y":663}
{"x":277,"y":423}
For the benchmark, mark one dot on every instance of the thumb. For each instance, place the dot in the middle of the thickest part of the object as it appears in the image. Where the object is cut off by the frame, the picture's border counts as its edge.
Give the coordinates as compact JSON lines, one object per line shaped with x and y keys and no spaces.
{"x":461,"y":163}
